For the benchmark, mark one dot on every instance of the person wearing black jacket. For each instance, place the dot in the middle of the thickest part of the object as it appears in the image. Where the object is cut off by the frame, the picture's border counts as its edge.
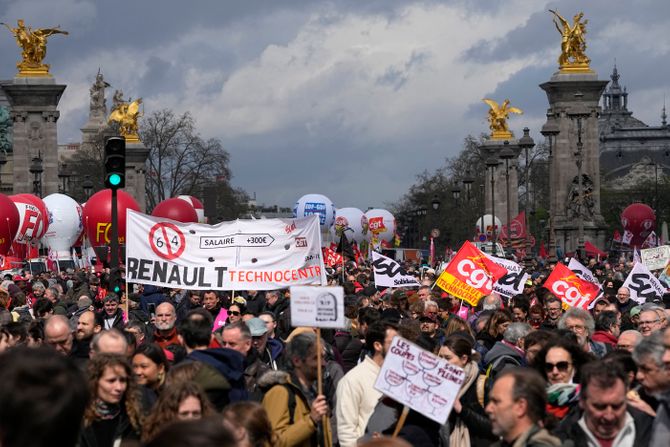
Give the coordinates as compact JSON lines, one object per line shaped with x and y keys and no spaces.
{"x":277,"y":303}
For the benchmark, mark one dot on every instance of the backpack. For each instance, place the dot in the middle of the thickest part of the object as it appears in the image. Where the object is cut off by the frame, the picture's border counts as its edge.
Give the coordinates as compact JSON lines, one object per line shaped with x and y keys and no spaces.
{"x":485,"y":381}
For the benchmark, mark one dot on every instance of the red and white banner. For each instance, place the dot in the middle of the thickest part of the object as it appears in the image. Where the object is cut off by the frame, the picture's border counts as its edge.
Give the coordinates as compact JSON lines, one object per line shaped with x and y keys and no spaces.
{"x":259,"y":254}
{"x":331,"y":258}
{"x":570,"y":288}
{"x":627,"y":237}
{"x":470,"y":274}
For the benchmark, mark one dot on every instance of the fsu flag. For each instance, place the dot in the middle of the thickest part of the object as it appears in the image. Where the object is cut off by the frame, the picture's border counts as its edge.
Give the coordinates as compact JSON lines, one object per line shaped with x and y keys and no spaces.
{"x":570,"y":289}
{"x":650,"y":241}
{"x":470,"y":275}
{"x":627,"y":237}
{"x":617,"y":236}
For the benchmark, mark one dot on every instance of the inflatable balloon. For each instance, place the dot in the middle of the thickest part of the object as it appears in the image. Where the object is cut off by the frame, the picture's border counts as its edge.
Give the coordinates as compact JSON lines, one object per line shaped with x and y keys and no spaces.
{"x":381,"y":223}
{"x":640,"y":220}
{"x":98,"y":215}
{"x":488,"y":219}
{"x":34,"y":218}
{"x":65,"y":224}
{"x":317,"y":204}
{"x":176,"y":209}
{"x":354,"y":221}
{"x":197,"y":205}
{"x":9,"y":223}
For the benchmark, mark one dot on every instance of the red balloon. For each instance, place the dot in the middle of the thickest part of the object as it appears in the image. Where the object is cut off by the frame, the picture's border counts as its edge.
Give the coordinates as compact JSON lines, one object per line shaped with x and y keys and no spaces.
{"x":31,"y":230}
{"x":176,"y":209}
{"x":640,"y":220}
{"x":98,"y":215}
{"x":9,"y":223}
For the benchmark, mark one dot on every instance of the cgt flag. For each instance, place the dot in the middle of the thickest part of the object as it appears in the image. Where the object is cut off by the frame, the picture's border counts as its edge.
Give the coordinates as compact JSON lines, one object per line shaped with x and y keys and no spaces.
{"x":470,"y":275}
{"x":570,"y":288}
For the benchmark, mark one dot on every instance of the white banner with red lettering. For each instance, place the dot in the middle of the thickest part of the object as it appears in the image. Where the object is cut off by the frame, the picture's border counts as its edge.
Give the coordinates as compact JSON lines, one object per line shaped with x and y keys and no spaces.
{"x":239,"y":255}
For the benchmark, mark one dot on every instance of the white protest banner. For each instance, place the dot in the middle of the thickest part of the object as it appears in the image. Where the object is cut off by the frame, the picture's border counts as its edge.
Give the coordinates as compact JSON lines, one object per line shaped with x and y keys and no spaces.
{"x":512,"y":283}
{"x":643,"y":284}
{"x":655,"y":258}
{"x":419,"y":379}
{"x":580,"y":270}
{"x":317,"y":307}
{"x":389,"y":273}
{"x":259,"y":254}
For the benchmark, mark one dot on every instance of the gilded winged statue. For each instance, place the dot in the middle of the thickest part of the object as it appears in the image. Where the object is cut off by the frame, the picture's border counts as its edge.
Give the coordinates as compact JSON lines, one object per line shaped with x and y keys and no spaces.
{"x":126,"y":115}
{"x":573,"y":44}
{"x":33,"y":44}
{"x":498,"y":115}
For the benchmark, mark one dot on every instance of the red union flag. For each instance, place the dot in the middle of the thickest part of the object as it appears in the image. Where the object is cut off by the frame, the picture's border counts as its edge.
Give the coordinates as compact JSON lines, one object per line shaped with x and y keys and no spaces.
{"x":376,"y":225}
{"x":331,"y":258}
{"x":570,"y":289}
{"x":470,"y":274}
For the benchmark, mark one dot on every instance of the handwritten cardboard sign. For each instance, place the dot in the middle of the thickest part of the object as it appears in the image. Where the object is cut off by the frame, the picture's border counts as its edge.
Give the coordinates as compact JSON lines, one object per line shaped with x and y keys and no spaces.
{"x":656,"y":258}
{"x":419,"y":379}
{"x":317,"y":307}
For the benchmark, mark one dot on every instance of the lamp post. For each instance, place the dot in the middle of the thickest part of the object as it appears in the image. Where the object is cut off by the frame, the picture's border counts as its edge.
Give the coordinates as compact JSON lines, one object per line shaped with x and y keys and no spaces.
{"x":507,"y":154}
{"x":64,"y":176}
{"x":550,"y":131}
{"x":435,"y":203}
{"x":526,"y":143}
{"x":3,"y":162}
{"x":87,"y":185}
{"x":37,"y":169}
{"x":482,"y":228}
{"x":579,"y":160}
{"x":492,"y":162}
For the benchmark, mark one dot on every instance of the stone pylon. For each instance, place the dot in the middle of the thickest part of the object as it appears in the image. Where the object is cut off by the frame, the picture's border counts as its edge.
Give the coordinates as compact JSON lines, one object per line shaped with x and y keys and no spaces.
{"x":493,"y":148}
{"x":573,"y":102}
{"x":34,"y":102}
{"x":136,"y":158}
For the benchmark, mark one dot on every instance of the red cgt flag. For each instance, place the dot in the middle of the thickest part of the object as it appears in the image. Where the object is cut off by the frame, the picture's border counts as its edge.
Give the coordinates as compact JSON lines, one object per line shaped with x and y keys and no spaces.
{"x":331,"y":258}
{"x":470,"y":274}
{"x":570,"y":289}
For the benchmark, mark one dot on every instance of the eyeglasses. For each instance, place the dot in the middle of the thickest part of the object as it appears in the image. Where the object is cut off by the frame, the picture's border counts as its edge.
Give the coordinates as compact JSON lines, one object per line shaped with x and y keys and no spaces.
{"x":561,"y":366}
{"x":650,"y":322}
{"x":576,"y":328}
{"x":553,"y":309}
{"x":235,"y":313}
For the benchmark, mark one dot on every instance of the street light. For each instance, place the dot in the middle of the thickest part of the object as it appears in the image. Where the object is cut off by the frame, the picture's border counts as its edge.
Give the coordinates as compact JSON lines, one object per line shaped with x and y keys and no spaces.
{"x":3,"y":162}
{"x":87,"y":185}
{"x":36,"y":169}
{"x":456,"y":193}
{"x":550,"y":130}
{"x":579,"y":160}
{"x":64,"y":176}
{"x":492,"y":162}
{"x":467,"y":184}
{"x":435,"y":203}
{"x":507,"y":154}
{"x":526,"y":143}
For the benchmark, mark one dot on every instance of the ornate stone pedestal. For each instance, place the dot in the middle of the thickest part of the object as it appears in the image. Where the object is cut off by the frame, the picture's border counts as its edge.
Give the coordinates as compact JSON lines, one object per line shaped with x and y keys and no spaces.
{"x":573,"y":100}
{"x":493,"y":148}
{"x":33,"y":103}
{"x":136,"y":157}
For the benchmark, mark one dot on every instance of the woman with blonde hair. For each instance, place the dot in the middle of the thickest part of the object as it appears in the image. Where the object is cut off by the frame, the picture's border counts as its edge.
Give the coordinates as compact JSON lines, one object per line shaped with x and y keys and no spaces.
{"x":180,"y":402}
{"x":250,"y":424}
{"x":114,"y":413}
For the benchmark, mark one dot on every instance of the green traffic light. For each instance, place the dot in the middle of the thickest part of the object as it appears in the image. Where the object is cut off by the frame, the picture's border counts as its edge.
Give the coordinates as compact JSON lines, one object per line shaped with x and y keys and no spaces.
{"x":117,"y":289}
{"x":115,"y":179}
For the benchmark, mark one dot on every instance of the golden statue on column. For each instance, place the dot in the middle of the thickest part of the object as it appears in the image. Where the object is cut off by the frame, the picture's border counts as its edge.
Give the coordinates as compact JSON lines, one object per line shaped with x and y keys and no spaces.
{"x":573,"y":45}
{"x":498,"y":115}
{"x":126,"y":114}
{"x":33,"y":44}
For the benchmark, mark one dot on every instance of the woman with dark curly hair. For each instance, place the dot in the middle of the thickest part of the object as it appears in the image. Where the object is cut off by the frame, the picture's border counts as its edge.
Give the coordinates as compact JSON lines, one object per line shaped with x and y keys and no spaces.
{"x":250,"y":424}
{"x":560,"y":363}
{"x":114,"y":413}
{"x":180,"y":402}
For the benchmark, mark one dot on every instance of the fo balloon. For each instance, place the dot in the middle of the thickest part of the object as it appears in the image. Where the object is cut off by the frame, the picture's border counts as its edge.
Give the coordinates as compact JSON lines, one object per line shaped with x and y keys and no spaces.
{"x":197,"y":205}
{"x":34,"y":218}
{"x":640,"y":220}
{"x":381,"y":223}
{"x":176,"y":209}
{"x":98,"y":216}
{"x":65,"y":224}
{"x":317,"y":204}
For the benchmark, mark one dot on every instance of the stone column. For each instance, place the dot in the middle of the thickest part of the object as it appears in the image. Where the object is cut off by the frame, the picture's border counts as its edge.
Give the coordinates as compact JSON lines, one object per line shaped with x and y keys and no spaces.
{"x":136,"y":157}
{"x":492,"y":148}
{"x":34,"y":113}
{"x":573,"y":95}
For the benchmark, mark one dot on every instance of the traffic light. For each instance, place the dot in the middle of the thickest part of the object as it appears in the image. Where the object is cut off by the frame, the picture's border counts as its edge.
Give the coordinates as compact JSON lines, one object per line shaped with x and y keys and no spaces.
{"x":115,"y":282}
{"x":115,"y":162}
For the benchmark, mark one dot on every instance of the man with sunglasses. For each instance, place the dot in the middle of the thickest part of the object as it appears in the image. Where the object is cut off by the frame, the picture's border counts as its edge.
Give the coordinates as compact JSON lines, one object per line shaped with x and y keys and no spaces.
{"x":605,"y":417}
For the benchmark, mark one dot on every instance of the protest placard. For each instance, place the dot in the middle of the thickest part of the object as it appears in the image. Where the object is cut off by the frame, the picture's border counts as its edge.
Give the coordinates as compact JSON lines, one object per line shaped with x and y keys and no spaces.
{"x":419,"y":379}
{"x":655,"y":258}
{"x":512,"y":283}
{"x":388,"y":273}
{"x":643,"y":285}
{"x":317,"y":307}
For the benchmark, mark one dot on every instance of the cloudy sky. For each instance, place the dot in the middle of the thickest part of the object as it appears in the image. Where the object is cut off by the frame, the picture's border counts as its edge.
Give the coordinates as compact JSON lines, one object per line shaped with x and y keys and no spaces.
{"x":348,"y":98}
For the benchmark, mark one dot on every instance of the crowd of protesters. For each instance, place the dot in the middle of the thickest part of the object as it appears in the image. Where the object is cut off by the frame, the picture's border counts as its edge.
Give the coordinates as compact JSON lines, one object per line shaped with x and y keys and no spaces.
{"x":80,"y":365}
